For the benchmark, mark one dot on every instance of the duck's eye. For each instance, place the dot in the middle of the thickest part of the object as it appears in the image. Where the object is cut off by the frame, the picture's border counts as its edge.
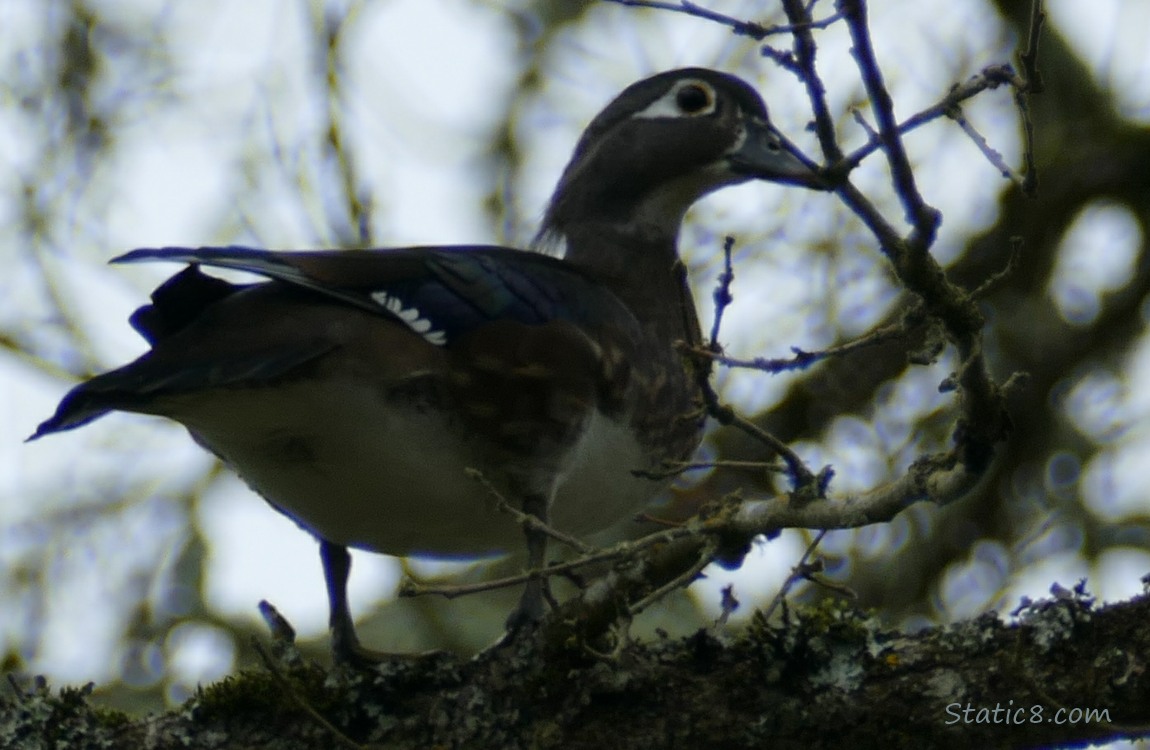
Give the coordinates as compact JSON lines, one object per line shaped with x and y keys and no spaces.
{"x":693,"y":99}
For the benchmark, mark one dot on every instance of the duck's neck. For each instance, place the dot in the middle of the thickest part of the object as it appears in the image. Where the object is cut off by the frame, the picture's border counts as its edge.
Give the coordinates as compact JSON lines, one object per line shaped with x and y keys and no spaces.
{"x":641,"y":265}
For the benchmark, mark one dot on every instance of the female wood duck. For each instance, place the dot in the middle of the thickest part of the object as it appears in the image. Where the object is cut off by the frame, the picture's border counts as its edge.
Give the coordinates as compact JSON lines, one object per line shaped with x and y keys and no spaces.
{"x":354,"y":388}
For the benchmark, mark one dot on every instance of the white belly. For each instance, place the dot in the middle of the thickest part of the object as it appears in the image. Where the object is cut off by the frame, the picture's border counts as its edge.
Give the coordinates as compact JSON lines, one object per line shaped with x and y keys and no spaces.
{"x":384,"y":479}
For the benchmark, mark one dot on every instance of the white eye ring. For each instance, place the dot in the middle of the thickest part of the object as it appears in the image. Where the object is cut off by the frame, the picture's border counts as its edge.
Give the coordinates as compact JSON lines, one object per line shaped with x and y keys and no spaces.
{"x":693,"y":99}
{"x":690,"y":97}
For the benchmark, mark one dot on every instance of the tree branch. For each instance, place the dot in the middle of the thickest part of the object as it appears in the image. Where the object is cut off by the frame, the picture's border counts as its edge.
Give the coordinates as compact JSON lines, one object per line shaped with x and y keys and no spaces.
{"x":826,"y":678}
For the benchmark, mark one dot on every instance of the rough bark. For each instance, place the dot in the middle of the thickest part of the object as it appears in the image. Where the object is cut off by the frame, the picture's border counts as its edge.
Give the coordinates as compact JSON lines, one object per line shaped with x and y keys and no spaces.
{"x":830,"y":678}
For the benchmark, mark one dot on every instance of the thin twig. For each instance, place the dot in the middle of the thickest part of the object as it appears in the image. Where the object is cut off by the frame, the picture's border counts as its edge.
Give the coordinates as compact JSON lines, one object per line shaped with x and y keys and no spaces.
{"x":752,"y":29}
{"x":300,"y":701}
{"x":1011,"y":266}
{"x":526,"y":519}
{"x":993,"y":156}
{"x":627,"y":549}
{"x":728,"y":603}
{"x":722,"y":295}
{"x":861,"y":121}
{"x":805,"y":50}
{"x":281,"y":629}
{"x":798,"y":572}
{"x":1034,"y":85}
{"x":990,"y":77}
{"x":355,"y":198}
{"x":801,"y":477}
{"x":922,"y":217}
{"x":1029,"y":58}
{"x":706,"y":556}
{"x":675,"y":468}
{"x":803,"y":359}
{"x":1030,"y":181}
{"x":785,"y":59}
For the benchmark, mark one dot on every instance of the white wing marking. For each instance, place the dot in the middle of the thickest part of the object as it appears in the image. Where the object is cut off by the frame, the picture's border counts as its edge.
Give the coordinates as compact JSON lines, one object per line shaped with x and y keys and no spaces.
{"x":411,"y":316}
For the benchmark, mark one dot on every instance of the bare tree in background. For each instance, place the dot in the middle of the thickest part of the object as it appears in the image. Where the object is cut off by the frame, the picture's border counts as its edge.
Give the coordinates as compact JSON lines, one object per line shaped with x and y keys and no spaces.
{"x":810,"y":671}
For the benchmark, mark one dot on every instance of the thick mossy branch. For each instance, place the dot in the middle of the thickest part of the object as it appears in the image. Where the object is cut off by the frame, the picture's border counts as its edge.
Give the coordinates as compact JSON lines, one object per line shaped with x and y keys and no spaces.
{"x":980,"y":683}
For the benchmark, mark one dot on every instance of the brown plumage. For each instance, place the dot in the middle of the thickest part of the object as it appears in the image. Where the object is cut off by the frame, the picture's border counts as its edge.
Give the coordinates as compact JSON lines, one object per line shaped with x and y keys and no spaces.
{"x":352,"y":389}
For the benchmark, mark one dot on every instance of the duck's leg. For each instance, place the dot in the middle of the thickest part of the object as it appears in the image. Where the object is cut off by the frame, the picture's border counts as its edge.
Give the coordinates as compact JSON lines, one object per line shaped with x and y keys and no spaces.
{"x":532,"y":604}
{"x":345,"y":644}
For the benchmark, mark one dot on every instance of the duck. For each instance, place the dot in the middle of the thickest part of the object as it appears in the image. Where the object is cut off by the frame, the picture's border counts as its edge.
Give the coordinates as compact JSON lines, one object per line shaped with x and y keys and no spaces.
{"x":359,"y":391}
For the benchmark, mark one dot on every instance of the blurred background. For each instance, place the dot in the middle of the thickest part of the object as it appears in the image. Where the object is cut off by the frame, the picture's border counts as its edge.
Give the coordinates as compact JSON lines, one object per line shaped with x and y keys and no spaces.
{"x":128,"y":557}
